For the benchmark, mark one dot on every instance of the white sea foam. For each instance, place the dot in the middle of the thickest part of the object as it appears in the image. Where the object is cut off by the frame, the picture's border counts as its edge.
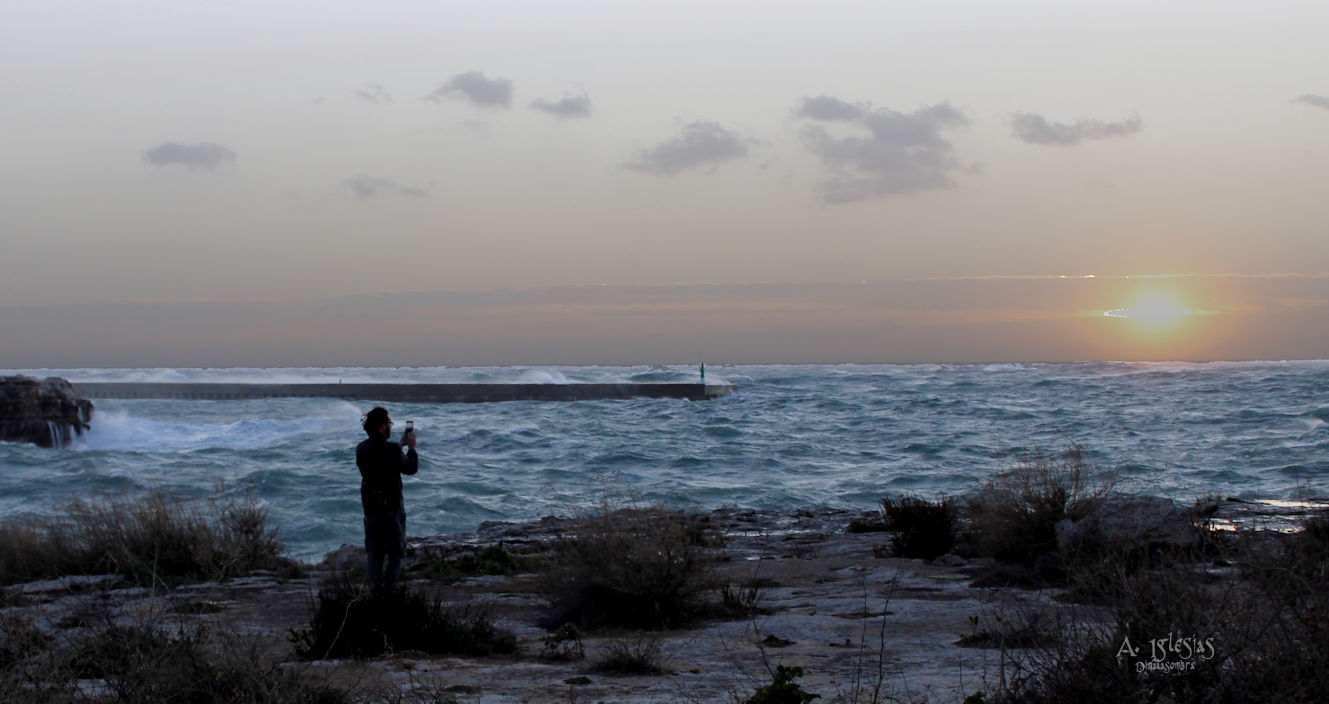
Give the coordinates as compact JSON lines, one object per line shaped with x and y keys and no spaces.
{"x":1005,"y":367}
{"x":119,"y":430}
{"x":542,"y":376}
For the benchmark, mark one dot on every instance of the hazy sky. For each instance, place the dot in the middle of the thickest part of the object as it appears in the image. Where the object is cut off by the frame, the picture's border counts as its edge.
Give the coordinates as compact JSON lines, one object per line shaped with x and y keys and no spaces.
{"x":452,"y":183}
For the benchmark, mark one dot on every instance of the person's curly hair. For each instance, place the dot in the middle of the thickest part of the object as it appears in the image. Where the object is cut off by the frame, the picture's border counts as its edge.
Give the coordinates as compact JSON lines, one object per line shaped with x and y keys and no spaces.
{"x":375,"y":419}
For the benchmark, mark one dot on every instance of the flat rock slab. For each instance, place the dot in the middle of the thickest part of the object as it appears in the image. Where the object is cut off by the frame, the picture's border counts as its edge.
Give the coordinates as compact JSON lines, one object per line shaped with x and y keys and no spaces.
{"x":828,"y":602}
{"x":66,"y":584}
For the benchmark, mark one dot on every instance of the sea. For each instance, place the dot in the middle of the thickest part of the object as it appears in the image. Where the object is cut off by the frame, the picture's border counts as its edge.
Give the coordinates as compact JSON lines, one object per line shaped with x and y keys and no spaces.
{"x":789,"y":437}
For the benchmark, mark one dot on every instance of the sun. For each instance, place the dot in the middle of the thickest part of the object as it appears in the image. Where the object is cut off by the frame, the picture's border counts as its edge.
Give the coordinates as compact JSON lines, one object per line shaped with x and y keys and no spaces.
{"x":1155,"y":310}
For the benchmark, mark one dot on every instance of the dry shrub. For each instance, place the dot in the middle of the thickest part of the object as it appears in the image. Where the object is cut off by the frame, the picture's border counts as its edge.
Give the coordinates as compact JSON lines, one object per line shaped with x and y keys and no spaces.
{"x":491,"y":560}
{"x":631,"y":656}
{"x":782,"y":689}
{"x":741,"y":598}
{"x":31,"y":550}
{"x":634,"y":568}
{"x":1013,"y":518}
{"x":868,"y":522}
{"x":146,"y":663}
{"x":19,"y":640}
{"x":350,"y":621}
{"x":1254,"y":633}
{"x":923,"y":529}
{"x":563,"y":645}
{"x":1024,"y":628}
{"x":146,"y":540}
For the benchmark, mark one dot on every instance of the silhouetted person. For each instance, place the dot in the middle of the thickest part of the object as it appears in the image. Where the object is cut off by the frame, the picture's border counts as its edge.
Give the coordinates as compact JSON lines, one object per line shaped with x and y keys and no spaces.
{"x":381,"y":464}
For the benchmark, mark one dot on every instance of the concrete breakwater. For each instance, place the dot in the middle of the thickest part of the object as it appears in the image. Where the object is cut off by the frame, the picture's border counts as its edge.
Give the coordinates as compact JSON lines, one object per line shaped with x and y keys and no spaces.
{"x":401,"y":393}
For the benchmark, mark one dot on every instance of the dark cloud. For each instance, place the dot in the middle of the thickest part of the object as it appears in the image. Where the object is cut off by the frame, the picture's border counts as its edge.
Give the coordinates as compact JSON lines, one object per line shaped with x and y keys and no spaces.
{"x":1318,"y":101}
{"x":569,"y":106}
{"x":888,"y":152}
{"x":825,"y":107}
{"x":204,"y":155}
{"x":374,"y":93}
{"x":698,"y":145}
{"x":367,"y":187}
{"x":476,"y":88}
{"x":1035,"y":129}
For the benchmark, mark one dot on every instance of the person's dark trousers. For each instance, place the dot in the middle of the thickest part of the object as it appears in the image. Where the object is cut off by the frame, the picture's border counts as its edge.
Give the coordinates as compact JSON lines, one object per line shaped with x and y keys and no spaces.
{"x":385,"y":537}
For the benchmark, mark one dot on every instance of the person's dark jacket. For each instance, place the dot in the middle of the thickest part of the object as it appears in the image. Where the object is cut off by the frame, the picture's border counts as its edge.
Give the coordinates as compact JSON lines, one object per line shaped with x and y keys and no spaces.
{"x":381,"y":465}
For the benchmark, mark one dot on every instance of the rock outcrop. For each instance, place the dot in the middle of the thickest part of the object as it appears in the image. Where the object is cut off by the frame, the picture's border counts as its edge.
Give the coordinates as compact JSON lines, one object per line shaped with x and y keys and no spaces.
{"x":47,"y":412}
{"x":1126,"y":523}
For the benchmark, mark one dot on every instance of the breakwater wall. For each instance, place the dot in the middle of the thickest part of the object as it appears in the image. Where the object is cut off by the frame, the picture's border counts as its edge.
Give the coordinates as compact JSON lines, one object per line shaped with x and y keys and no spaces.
{"x":401,"y":393}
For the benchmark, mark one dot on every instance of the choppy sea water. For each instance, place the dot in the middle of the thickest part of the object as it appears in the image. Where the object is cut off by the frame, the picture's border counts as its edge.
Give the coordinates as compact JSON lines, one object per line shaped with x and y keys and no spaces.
{"x":792,"y":436}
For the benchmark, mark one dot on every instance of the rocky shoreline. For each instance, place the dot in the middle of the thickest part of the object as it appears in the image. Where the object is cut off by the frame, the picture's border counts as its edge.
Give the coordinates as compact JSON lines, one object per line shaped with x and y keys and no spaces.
{"x":862,"y":624}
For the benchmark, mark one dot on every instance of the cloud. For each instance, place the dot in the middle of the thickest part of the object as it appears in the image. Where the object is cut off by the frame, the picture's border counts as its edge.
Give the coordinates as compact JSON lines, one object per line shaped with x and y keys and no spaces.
{"x":568,"y":106}
{"x":1318,"y":101}
{"x":888,"y":153}
{"x":1035,"y":129}
{"x":374,"y":93}
{"x":367,"y":187}
{"x":204,"y":155}
{"x":698,"y":145}
{"x":476,"y":88}
{"x":824,"y":107}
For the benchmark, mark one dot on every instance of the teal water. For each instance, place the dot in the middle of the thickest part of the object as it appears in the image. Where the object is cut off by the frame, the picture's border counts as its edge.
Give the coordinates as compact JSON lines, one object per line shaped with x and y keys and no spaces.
{"x":792,"y":436}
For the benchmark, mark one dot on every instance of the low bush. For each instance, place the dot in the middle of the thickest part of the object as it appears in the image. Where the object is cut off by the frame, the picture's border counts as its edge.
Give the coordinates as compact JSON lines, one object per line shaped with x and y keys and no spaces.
{"x":149,"y":541}
{"x":633,"y":568}
{"x":490,"y":560}
{"x":146,"y":664}
{"x":563,"y":644}
{"x":1013,"y":518}
{"x":1310,"y":547}
{"x":741,"y":599}
{"x":923,"y":529}
{"x":631,"y":656}
{"x":19,"y":639}
{"x":782,"y":689}
{"x":1180,"y":630}
{"x":1025,"y":630}
{"x":868,"y":522}
{"x":350,"y":621}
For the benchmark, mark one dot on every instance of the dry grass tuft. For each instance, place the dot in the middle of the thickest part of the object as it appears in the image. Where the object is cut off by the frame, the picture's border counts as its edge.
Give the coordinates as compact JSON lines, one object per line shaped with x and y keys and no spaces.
{"x":631,"y":656}
{"x":149,"y":541}
{"x":924,"y":529}
{"x":1183,"y":629}
{"x":633,"y":568}
{"x":350,"y":621}
{"x":150,"y":662}
{"x":1013,"y":518}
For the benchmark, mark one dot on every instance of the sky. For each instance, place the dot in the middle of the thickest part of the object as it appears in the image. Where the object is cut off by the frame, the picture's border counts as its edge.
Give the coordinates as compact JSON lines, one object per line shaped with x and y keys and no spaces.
{"x":400,"y":183}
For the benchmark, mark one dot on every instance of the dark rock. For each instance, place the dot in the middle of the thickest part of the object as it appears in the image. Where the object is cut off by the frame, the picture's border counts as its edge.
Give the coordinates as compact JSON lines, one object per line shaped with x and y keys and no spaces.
{"x":949,"y":560}
{"x":46,"y":412}
{"x":1128,"y":523}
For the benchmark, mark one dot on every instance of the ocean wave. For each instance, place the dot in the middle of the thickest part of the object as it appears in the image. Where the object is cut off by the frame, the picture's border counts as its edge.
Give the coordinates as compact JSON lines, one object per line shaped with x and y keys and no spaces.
{"x":792,"y":435}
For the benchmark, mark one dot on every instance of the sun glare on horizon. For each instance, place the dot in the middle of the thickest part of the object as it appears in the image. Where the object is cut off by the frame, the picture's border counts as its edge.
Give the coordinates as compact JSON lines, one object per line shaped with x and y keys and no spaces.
{"x":1154,"y":310}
